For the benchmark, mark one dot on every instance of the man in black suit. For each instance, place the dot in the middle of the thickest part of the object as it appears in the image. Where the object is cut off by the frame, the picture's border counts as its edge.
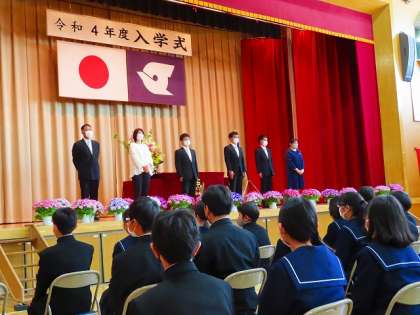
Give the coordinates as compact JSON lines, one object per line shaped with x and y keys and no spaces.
{"x":184,"y":290}
{"x":235,"y":162}
{"x":226,"y":248}
{"x":68,"y":255}
{"x":85,"y":158}
{"x":136,"y":267}
{"x":186,"y":165}
{"x":264,"y":162}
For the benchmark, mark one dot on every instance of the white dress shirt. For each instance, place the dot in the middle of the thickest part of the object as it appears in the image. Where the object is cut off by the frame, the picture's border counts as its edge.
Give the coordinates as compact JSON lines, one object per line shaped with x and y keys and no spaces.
{"x":140,"y":157}
{"x":265,"y":150}
{"x":236,"y":148}
{"x":188,"y":151}
{"x":89,"y":144}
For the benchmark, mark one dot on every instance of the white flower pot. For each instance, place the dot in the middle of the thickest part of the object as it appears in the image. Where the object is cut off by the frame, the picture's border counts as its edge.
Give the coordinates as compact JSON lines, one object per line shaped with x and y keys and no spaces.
{"x":118,"y":216}
{"x":47,"y":220}
{"x":86,"y":218}
{"x":272,"y":205}
{"x":234,"y":208}
{"x":313,"y":202}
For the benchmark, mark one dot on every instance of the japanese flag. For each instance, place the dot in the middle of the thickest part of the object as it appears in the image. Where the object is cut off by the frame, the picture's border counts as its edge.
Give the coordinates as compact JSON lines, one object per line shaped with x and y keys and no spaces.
{"x":91,"y":72}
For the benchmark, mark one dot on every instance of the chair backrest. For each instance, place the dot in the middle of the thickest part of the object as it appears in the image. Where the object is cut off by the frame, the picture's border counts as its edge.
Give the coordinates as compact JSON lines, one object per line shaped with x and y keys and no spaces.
{"x":247,"y":279}
{"x":135,"y":294}
{"x":416,"y":246}
{"x":409,"y":295}
{"x":353,"y":269}
{"x":267,"y":251}
{"x":76,"y":280}
{"x":3,"y":296}
{"x":342,"y":307}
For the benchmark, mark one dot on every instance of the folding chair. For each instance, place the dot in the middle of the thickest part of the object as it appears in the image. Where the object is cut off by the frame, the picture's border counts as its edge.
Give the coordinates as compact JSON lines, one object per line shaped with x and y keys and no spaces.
{"x":408,"y":295}
{"x":342,"y":307}
{"x":3,"y":295}
{"x":135,"y":294}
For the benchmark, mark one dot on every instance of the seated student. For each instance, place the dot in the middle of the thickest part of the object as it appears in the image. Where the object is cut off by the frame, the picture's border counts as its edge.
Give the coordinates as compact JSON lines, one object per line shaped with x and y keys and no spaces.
{"x":352,"y":236}
{"x":68,"y":255}
{"x":136,"y":267}
{"x":388,"y":262}
{"x":307,"y":277}
{"x":200,"y":218}
{"x":184,"y":290}
{"x":367,"y":192}
{"x":227,"y":248}
{"x":405,"y":201}
{"x":126,"y":242}
{"x":333,"y":228}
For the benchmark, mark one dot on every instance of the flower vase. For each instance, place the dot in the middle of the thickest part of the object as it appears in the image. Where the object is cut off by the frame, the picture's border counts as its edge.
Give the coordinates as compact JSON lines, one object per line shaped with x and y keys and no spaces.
{"x":86,"y":218}
{"x":328,"y":201}
{"x":272,"y":205}
{"x":47,"y":220}
{"x":313,"y":202}
{"x":118,"y":216}
{"x":234,"y":208}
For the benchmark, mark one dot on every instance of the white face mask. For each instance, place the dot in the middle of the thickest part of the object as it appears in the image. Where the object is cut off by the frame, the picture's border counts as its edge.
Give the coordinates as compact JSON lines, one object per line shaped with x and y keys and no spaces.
{"x":89,"y":134}
{"x":235,"y":140}
{"x":131,"y":233}
{"x":140,"y":137}
{"x":187,"y":143}
{"x":264,"y":143}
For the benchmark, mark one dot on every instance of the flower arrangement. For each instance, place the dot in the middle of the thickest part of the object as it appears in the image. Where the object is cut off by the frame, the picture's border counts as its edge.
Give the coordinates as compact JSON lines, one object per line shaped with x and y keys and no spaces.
{"x":46,"y":208}
{"x":329,"y":194}
{"x":272,"y":198}
{"x":382,"y":190}
{"x":255,"y":197}
{"x":290,"y":193}
{"x":163,"y":204}
{"x":117,"y":206}
{"x":311,"y":194}
{"x":396,"y":187}
{"x":347,"y":189}
{"x":180,"y":202}
{"x":87,"y":207}
{"x":129,"y":201}
{"x":236,"y":198}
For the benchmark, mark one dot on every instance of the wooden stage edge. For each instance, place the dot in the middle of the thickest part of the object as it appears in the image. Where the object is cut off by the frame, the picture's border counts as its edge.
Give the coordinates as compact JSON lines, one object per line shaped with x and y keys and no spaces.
{"x":21,"y":230}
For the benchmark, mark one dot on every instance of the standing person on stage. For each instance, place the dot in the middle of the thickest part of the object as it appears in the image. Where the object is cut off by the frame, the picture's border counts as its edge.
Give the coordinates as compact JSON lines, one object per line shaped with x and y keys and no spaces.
{"x":295,"y":166}
{"x":235,"y":162}
{"x":85,"y":154}
{"x":142,"y":161}
{"x":186,"y":165}
{"x":264,"y":162}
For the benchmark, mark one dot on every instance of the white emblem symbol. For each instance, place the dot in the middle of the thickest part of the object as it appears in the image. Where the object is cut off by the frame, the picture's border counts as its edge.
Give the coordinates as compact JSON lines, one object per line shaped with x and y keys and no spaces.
{"x":155,"y":77}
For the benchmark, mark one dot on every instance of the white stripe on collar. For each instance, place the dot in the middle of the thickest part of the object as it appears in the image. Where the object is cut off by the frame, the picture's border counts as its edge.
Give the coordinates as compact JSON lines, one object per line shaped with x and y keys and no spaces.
{"x":357,"y":238}
{"x":392,"y":265}
{"x":338,"y":225}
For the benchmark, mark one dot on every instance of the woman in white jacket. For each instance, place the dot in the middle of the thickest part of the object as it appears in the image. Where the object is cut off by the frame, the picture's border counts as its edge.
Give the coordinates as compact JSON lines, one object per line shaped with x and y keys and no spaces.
{"x":142,"y":164}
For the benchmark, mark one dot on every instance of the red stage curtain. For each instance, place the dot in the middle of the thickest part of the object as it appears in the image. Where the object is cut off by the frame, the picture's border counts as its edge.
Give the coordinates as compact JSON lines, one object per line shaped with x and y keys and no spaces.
{"x":266,"y":102}
{"x":333,"y":114}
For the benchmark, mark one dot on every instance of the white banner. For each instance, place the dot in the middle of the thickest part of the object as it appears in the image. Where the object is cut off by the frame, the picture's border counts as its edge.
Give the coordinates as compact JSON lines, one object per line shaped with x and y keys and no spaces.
{"x":92,"y":29}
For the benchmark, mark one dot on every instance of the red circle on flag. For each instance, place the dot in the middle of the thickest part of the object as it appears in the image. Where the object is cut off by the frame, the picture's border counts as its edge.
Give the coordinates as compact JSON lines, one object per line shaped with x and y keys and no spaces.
{"x":94,"y":72}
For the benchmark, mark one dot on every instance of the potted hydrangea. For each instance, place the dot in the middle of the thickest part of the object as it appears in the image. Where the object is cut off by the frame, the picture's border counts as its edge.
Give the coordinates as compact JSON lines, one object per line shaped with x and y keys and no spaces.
{"x":237,"y":200}
{"x":272,"y":198}
{"x":396,"y":187}
{"x":329,"y":194}
{"x":44,"y":209}
{"x":347,"y":189}
{"x":180,"y":202}
{"x":312,"y":195}
{"x":117,"y":206}
{"x":382,"y":190}
{"x":290,"y":193}
{"x":255,"y":197}
{"x":163,"y":204}
{"x":86,"y":209}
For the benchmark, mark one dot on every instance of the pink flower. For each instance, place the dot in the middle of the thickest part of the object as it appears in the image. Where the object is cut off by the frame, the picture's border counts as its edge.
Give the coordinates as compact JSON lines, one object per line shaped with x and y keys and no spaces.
{"x":291,"y":193}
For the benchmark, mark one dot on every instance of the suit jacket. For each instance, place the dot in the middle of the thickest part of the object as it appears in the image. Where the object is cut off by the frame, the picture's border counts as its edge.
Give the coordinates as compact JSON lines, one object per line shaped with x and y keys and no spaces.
{"x":68,"y":255}
{"x":227,"y":248}
{"x":132,"y":269}
{"x":264,"y":163}
{"x":185,"y":167}
{"x":86,"y":163}
{"x":124,"y":244}
{"x":233,"y":161}
{"x":185,"y":291}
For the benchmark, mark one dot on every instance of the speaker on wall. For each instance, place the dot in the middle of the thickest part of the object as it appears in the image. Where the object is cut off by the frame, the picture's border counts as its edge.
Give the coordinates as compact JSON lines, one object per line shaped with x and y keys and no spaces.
{"x":408,"y":55}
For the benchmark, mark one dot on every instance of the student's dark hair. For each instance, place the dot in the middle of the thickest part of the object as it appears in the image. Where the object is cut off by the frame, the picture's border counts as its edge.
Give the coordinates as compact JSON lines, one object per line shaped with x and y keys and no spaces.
{"x":175,"y":234}
{"x":367,"y":192}
{"x":84,"y":126}
{"x":404,"y":199}
{"x":218,"y":199}
{"x":388,"y":224}
{"x":126,"y":215}
{"x":199,"y":210}
{"x":233,"y":134}
{"x":65,"y":219}
{"x":144,"y":210}
{"x":333,"y":208}
{"x":357,"y":204}
{"x":183,"y":136}
{"x":251,"y":210}
{"x":261,"y":137}
{"x":298,"y":218}
{"x":135,"y":132}
{"x":293,"y":140}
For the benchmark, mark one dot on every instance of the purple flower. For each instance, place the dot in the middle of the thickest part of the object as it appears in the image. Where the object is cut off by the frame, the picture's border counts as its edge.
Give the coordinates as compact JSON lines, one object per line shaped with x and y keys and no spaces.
{"x":347,"y":189}
{"x":180,"y":201}
{"x":87,"y":206}
{"x":273,"y":196}
{"x":311,"y":194}
{"x":382,"y":190}
{"x":129,"y":200}
{"x":396,"y":187}
{"x":254,"y":196}
{"x":330,"y":193}
{"x":118,"y":205}
{"x":160,"y":201}
{"x":236,"y":198}
{"x":291,"y":193}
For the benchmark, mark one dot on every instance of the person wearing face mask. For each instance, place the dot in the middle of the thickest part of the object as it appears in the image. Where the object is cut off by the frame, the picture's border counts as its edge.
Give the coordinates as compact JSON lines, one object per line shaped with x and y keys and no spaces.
{"x":264,"y":163}
{"x":235,"y":163}
{"x":295,"y":166}
{"x":142,"y":164}
{"x":85,"y":154}
{"x":307,"y":277}
{"x":135,"y":267}
{"x":186,"y":165}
